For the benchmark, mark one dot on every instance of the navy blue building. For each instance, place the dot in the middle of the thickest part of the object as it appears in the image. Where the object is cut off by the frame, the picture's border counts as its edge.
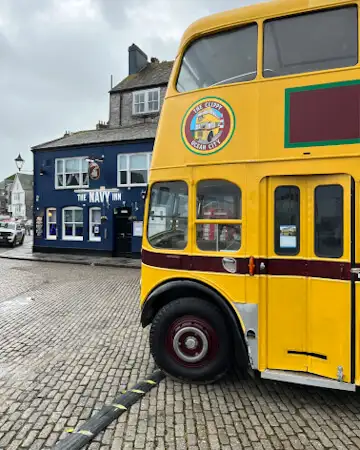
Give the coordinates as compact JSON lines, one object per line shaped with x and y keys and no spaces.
{"x":89,"y":186}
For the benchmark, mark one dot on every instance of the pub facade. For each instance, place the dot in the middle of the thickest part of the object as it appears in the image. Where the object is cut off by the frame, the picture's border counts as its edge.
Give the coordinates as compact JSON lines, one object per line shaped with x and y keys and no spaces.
{"x":89,"y":186}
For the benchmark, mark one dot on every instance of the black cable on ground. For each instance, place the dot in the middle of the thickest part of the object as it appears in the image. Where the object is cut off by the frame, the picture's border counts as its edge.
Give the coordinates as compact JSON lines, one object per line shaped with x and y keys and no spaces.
{"x":79,"y":437}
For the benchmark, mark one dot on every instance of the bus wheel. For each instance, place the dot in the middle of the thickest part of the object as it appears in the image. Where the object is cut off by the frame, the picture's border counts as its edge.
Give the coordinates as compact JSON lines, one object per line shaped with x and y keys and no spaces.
{"x":190,"y":341}
{"x":210,"y":136}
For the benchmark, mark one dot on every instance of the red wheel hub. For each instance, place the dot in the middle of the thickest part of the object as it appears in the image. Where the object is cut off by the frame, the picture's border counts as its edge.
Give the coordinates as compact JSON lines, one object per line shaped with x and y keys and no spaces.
{"x":192,"y":341}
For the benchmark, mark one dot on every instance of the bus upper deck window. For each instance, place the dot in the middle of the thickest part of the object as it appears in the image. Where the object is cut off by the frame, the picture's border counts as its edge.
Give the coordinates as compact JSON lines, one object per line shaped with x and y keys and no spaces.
{"x":221,"y":58}
{"x":310,"y":42}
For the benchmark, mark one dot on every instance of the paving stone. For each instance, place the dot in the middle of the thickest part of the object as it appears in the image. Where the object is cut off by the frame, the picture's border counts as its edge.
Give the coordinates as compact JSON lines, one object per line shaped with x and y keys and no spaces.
{"x":79,"y":342}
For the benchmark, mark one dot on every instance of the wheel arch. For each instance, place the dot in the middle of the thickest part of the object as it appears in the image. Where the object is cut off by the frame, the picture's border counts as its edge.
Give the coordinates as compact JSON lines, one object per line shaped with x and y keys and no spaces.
{"x":179,"y":288}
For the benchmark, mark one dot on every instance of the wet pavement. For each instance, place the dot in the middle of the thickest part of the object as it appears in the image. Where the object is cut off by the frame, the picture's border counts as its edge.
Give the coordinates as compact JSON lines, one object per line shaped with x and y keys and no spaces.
{"x":24,"y":253}
{"x":71,"y":341}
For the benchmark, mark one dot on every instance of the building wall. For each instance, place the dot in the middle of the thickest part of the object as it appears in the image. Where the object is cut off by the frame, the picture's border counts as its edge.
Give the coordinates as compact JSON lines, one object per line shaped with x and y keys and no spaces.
{"x":121,"y":110}
{"x":46,"y":196}
{"x":114,"y":113}
{"x":18,"y":208}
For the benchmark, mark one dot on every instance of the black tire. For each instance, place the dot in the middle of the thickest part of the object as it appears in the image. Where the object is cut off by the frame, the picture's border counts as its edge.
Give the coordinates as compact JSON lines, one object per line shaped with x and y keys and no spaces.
{"x":210,"y":136}
{"x":199,"y":315}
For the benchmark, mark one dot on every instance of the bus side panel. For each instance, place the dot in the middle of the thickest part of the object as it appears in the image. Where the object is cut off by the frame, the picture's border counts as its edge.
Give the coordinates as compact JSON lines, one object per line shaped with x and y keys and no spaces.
{"x":229,"y":286}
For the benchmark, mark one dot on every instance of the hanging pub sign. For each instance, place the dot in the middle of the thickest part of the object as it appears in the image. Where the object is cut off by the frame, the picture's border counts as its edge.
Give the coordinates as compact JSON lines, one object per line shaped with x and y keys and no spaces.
{"x":94,"y":171}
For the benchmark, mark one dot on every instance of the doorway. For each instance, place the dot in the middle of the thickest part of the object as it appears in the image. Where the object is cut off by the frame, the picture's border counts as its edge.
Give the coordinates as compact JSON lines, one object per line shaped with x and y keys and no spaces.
{"x":309,"y":291}
{"x":123,"y":228}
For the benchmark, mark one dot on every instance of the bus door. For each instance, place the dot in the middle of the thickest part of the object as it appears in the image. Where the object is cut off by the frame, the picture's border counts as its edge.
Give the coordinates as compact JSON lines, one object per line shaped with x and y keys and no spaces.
{"x":309,"y":287}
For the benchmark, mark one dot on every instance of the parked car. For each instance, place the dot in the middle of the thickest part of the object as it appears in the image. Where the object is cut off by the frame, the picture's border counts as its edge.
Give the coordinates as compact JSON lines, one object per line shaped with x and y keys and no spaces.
{"x":11,"y":233}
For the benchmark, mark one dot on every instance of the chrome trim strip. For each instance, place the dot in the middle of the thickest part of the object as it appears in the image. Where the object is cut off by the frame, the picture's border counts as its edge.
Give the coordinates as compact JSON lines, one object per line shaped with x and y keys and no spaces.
{"x":249,"y":315}
{"x":306,"y":379}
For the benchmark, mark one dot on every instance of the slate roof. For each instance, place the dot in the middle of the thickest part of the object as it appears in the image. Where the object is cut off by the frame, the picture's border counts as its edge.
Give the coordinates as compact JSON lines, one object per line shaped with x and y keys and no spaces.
{"x":142,"y":131}
{"x":26,"y":181}
{"x":153,"y":74}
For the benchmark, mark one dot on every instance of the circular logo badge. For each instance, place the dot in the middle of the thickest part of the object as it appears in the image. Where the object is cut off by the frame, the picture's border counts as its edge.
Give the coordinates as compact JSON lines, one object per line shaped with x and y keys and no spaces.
{"x":208,"y":126}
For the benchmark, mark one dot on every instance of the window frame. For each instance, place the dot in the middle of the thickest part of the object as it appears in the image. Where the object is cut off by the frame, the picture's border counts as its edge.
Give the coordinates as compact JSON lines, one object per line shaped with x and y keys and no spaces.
{"x":188,"y":204}
{"x":287,"y":251}
{"x":63,"y":173}
{"x":72,"y":237}
{"x":92,"y":237}
{"x":48,"y":236}
{"x":146,"y":93}
{"x":303,"y":13}
{"x":128,"y":171}
{"x":259,"y":67}
{"x":316,"y":252}
{"x":217,"y":222}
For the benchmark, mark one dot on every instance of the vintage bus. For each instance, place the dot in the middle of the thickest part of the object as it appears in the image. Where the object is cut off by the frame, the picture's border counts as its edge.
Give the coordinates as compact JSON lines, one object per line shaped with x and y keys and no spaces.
{"x":257,"y":259}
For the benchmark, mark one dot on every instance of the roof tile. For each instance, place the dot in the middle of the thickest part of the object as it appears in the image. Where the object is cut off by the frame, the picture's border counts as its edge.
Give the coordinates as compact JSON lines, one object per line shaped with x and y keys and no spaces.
{"x":153,"y":74}
{"x":142,"y":131}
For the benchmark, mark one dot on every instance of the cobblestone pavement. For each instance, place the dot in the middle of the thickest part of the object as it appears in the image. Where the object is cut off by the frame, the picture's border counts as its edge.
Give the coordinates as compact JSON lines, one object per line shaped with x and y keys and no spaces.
{"x":71,"y":340}
{"x":24,"y":253}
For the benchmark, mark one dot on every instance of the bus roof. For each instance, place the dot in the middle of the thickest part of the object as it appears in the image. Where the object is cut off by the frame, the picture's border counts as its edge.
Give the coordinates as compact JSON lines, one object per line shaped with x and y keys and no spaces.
{"x":261,"y":10}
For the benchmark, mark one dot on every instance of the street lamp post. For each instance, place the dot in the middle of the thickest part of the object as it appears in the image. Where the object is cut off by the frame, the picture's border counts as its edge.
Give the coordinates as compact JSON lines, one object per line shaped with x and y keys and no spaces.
{"x":19,"y":162}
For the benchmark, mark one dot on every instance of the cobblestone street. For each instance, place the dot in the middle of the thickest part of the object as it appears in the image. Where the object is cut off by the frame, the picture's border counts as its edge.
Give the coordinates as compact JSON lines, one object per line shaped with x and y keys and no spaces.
{"x":71,"y":340}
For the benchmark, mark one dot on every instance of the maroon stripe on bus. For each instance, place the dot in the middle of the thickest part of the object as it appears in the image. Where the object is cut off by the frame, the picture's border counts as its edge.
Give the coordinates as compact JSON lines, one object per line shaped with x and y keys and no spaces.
{"x":306,"y":268}
{"x":286,"y":267}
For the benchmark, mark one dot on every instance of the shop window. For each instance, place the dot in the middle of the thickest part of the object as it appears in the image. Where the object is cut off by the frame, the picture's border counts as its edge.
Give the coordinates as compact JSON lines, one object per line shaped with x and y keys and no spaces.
{"x":329,"y":221}
{"x":320,"y":40}
{"x":95,"y":224}
{"x":73,"y":224}
{"x":71,"y":173}
{"x":218,"y":216}
{"x":51,"y":227}
{"x":145,"y":102}
{"x":287,"y":220}
{"x":133,"y":169}
{"x":168,"y":215}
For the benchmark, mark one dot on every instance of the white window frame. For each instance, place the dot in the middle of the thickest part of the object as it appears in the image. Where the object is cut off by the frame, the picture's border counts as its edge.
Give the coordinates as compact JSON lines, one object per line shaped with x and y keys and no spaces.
{"x":146,"y":93}
{"x":128,"y":172}
{"x":49,"y":237}
{"x":72,"y":238}
{"x":92,"y":237}
{"x":81,"y":184}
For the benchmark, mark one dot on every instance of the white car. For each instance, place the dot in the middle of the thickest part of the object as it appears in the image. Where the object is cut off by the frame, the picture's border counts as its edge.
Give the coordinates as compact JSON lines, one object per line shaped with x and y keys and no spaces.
{"x":11,"y":233}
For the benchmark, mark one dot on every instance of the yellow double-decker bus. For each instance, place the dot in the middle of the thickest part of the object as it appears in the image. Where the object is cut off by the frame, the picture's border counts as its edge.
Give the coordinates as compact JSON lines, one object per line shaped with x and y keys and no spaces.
{"x":250,"y":249}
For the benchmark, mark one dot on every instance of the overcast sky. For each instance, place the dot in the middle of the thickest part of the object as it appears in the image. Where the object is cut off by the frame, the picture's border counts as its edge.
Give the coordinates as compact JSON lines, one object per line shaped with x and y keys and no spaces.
{"x":57,"y":57}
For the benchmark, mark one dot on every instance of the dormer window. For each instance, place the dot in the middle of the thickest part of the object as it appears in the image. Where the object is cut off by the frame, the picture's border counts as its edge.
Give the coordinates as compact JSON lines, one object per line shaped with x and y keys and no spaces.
{"x":146,"y":102}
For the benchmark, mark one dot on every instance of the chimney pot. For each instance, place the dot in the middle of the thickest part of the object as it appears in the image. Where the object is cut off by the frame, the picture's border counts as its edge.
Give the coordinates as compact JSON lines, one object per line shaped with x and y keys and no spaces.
{"x":137,"y":59}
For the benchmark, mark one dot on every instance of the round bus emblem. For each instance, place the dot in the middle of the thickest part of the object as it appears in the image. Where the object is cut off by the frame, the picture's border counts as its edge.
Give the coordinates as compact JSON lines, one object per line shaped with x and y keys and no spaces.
{"x":208,"y":126}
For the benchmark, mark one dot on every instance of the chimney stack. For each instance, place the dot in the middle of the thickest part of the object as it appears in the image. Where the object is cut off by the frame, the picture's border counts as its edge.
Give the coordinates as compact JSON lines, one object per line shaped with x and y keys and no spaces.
{"x":137,"y":59}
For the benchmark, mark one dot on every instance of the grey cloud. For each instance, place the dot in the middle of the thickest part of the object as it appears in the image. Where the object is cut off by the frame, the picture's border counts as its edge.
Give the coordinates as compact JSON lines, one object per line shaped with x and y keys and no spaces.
{"x":57,"y":57}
